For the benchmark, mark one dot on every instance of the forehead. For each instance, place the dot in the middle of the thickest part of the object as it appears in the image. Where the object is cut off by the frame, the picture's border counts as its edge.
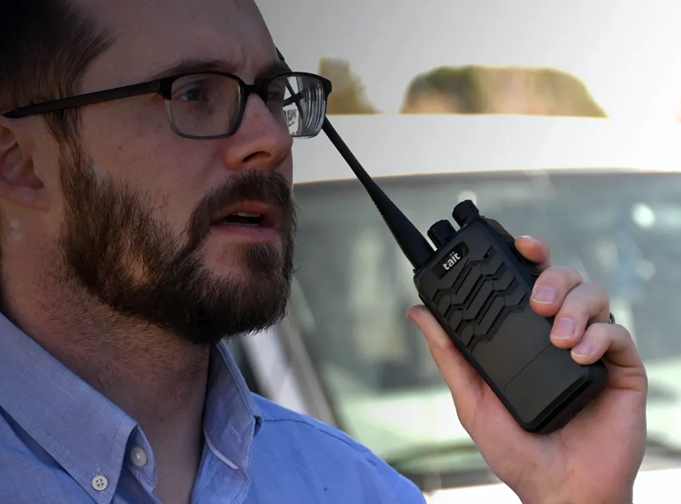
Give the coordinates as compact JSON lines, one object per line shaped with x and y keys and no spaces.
{"x":151,"y":35}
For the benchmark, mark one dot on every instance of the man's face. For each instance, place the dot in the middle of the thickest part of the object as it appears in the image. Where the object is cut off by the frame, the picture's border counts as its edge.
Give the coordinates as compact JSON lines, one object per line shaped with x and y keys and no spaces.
{"x":142,"y":222}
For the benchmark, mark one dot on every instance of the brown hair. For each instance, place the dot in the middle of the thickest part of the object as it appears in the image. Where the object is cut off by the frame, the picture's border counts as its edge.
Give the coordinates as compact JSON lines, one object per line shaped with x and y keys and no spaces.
{"x":45,"y":47}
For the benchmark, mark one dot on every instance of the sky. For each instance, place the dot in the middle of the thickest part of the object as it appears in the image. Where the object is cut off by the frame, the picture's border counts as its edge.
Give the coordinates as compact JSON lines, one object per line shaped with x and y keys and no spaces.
{"x":627,"y":52}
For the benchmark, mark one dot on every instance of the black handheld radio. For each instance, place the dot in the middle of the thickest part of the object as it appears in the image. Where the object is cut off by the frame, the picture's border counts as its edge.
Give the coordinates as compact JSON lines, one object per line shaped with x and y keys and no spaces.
{"x":478,"y":286}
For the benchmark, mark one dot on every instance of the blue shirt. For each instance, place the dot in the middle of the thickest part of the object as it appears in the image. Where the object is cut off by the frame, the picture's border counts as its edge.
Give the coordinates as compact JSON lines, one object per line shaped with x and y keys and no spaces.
{"x":61,"y":442}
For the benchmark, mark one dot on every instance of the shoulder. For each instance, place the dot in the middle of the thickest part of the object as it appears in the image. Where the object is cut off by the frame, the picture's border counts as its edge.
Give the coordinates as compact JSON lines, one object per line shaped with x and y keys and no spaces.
{"x":28,"y":474}
{"x":277,"y":420}
{"x":307,"y":445}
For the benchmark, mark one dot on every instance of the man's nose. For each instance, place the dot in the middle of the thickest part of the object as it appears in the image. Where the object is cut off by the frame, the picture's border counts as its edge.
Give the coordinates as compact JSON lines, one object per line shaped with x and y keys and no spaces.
{"x":261,"y":143}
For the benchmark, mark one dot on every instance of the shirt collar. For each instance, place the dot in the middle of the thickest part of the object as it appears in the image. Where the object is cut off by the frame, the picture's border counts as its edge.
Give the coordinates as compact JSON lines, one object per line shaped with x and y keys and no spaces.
{"x":87,"y":434}
{"x":232,"y":418}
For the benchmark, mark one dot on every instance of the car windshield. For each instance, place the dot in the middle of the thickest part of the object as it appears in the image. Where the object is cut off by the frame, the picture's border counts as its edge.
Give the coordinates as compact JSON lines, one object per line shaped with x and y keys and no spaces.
{"x":353,"y":287}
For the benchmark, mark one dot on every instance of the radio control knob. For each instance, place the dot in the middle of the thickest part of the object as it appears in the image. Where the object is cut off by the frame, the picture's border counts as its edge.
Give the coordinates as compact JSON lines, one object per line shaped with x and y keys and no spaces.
{"x":464,"y":212}
{"x":441,"y":233}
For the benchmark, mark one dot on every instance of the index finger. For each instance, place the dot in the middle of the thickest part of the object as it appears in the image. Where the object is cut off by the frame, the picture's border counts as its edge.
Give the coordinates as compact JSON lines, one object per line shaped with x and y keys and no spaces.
{"x":535,"y":250}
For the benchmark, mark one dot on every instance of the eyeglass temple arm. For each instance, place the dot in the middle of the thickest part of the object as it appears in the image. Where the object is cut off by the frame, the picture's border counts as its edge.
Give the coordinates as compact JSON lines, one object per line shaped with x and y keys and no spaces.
{"x":294,"y":96}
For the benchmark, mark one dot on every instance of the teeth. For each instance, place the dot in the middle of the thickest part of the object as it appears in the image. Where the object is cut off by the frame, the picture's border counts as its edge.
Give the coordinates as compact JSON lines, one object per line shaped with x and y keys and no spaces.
{"x":250,"y":215}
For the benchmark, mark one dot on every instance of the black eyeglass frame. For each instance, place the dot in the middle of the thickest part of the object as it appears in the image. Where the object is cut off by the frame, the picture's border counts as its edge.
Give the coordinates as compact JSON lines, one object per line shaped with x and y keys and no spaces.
{"x":163,"y":87}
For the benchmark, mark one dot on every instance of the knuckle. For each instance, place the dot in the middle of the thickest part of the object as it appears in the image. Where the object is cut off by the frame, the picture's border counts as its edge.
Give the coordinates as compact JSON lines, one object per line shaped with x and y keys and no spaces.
{"x":577,"y":306}
{"x":621,"y":332}
{"x":601,"y":332}
{"x":597,"y":290}
{"x":573,"y":274}
{"x":561,"y":277}
{"x":591,"y":296}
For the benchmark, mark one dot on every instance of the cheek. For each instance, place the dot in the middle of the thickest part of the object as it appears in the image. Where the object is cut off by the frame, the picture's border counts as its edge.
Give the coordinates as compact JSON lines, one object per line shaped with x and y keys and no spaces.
{"x":136,"y":144}
{"x":166,"y":177}
{"x":286,"y":169}
{"x":16,"y":232}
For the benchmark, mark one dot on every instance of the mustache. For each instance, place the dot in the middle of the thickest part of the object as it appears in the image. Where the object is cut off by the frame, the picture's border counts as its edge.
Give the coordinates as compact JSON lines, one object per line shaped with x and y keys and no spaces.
{"x":270,"y":188}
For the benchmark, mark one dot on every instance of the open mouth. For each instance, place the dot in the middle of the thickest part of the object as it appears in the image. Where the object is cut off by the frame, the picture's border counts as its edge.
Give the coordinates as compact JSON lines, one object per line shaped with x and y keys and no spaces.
{"x":241,"y":219}
{"x":253,"y":215}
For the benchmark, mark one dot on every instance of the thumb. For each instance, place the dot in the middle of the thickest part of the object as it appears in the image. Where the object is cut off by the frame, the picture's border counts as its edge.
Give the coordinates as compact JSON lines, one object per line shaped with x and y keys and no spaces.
{"x":466,"y":385}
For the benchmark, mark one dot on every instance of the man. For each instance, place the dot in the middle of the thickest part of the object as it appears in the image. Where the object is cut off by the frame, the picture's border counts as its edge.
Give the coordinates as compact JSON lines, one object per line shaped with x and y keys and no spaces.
{"x":142,"y":225}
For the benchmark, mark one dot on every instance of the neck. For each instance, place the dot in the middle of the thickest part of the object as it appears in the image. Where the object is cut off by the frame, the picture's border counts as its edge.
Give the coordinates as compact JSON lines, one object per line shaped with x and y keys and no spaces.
{"x":156,"y":378}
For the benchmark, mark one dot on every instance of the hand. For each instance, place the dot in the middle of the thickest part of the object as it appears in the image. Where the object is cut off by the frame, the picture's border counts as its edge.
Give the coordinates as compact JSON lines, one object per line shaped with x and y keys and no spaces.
{"x":595,"y":458}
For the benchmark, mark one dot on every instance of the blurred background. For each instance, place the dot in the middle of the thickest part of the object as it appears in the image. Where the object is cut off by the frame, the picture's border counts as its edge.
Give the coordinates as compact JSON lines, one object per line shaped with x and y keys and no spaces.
{"x":559,"y":119}
{"x":624,"y":52}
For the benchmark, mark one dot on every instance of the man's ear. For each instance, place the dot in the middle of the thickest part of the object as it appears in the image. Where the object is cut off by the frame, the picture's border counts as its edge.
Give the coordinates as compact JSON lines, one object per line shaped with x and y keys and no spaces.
{"x":19,"y":182}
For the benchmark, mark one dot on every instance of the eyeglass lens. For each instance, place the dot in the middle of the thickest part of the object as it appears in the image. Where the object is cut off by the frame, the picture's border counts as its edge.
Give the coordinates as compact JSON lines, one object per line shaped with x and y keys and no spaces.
{"x":206,"y":105}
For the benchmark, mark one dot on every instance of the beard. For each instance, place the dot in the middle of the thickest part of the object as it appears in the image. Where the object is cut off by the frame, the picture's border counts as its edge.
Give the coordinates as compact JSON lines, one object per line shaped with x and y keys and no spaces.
{"x":112,"y":245}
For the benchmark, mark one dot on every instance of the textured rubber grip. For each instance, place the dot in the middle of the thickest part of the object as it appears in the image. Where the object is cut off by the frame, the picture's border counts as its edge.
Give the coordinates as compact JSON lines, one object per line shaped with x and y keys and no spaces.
{"x":482,"y":294}
{"x":479,"y":287}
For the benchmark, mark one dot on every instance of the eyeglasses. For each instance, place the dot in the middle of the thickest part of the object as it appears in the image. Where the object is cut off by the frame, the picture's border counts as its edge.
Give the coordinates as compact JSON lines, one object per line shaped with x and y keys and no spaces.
{"x":210,"y":105}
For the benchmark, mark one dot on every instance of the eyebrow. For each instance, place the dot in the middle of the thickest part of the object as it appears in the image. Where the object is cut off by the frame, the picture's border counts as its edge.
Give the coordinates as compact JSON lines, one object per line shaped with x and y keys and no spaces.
{"x":194,"y":65}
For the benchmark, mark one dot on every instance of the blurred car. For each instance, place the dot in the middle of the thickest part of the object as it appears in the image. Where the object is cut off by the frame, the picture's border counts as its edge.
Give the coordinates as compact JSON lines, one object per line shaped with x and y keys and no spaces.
{"x":607,"y":197}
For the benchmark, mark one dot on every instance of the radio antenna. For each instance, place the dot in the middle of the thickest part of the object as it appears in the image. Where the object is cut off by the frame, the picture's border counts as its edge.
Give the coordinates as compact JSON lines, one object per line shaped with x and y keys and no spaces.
{"x":413,"y":244}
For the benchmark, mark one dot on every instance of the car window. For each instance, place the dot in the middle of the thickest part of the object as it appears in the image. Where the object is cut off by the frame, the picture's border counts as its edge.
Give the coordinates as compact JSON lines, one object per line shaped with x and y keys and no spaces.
{"x":353,"y":287}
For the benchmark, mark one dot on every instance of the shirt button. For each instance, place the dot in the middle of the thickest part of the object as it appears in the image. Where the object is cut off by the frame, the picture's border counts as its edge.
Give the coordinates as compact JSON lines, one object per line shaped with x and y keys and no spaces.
{"x":100,"y":483}
{"x":139,"y":457}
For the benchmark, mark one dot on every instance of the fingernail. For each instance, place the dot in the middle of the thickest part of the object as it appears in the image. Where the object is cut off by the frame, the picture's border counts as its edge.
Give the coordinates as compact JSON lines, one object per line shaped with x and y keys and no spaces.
{"x":545,"y":295}
{"x":584,"y":349}
{"x":531,"y":238}
{"x":563,"y":329}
